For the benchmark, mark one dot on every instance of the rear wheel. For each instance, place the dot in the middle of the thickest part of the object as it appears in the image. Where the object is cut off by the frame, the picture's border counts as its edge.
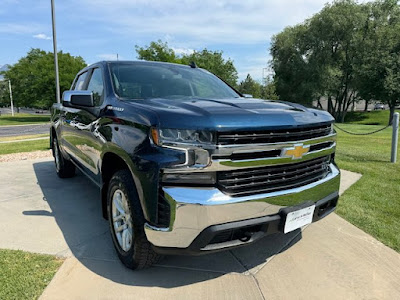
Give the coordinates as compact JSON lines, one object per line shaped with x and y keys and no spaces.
{"x":64,"y":167}
{"x":127,"y":223}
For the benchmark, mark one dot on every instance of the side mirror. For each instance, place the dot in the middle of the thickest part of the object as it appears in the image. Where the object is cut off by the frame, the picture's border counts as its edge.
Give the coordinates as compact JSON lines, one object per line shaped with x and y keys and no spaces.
{"x":78,"y":98}
{"x":247,"y":96}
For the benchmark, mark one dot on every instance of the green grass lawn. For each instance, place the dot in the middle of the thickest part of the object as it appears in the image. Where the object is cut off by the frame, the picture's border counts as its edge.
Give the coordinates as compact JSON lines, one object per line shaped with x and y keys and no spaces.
{"x":25,"y":275}
{"x":27,"y":146}
{"x":373,"y":203}
{"x":22,"y":137}
{"x":21,"y":119}
{"x":379,"y":117}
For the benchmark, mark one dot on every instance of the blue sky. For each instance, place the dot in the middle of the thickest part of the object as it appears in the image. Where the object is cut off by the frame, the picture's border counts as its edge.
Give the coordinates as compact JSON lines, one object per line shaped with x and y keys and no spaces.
{"x":99,"y":29}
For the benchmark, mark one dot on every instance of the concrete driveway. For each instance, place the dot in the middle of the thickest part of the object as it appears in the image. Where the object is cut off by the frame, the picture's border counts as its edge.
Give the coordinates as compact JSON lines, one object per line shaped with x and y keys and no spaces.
{"x":329,"y":259}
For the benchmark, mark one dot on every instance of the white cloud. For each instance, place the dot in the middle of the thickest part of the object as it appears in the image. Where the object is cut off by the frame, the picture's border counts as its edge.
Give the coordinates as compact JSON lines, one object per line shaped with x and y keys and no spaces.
{"x":109,"y":56}
{"x":207,"y":21}
{"x":181,"y":51}
{"x":42,"y":36}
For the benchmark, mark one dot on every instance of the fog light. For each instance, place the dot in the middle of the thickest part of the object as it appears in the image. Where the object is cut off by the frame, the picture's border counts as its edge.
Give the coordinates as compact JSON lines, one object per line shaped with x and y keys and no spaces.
{"x":198,"y":178}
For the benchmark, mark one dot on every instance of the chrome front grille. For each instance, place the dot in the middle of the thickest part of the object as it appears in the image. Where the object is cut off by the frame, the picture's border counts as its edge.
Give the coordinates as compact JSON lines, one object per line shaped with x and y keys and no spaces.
{"x":273,"y":136}
{"x":244,"y":182}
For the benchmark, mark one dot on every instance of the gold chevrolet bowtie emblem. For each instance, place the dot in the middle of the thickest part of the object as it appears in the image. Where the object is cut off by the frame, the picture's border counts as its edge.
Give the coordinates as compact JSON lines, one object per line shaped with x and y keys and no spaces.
{"x":296,"y":152}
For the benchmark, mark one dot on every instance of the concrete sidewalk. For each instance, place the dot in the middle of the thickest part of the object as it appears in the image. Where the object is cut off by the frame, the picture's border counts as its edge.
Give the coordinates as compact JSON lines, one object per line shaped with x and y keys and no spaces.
{"x":328,"y":259}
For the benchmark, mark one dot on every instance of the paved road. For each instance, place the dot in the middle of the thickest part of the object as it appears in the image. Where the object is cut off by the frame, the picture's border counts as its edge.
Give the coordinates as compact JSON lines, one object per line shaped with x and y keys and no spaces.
{"x":330,"y":259}
{"x":7,"y":110}
{"x":24,"y":130}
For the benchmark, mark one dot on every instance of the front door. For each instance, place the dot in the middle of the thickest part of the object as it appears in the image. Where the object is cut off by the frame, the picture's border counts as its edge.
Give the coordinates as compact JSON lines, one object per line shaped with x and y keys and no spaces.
{"x":82,"y":136}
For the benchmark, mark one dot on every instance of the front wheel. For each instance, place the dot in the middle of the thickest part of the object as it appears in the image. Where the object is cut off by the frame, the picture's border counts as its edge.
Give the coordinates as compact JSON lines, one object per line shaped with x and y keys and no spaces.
{"x":127,"y":223}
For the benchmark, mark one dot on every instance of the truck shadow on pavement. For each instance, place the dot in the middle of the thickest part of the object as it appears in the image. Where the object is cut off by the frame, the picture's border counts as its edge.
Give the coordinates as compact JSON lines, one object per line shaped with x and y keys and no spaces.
{"x":76,"y":208}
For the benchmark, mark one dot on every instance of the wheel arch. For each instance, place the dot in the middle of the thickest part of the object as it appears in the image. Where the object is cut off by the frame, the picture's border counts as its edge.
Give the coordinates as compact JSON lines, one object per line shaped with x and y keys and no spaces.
{"x":111,"y":162}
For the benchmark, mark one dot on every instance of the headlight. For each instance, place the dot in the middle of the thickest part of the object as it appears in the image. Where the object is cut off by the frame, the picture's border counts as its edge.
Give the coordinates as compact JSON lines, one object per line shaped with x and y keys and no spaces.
{"x":181,"y":136}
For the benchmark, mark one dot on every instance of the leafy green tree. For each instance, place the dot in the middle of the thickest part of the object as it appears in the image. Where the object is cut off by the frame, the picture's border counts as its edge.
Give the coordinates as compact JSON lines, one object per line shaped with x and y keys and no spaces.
{"x":212,"y":61}
{"x":268,"y":90}
{"x":379,"y":71}
{"x":33,"y":77}
{"x":157,"y":51}
{"x":258,"y":90}
{"x":336,"y":35}
{"x":4,"y":94}
{"x":250,"y":86}
{"x":294,"y":80}
{"x":319,"y":58}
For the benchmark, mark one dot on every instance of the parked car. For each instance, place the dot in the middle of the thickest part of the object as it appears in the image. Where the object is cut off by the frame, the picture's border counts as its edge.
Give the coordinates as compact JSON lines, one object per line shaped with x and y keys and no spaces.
{"x":379,"y":106}
{"x":186,"y":164}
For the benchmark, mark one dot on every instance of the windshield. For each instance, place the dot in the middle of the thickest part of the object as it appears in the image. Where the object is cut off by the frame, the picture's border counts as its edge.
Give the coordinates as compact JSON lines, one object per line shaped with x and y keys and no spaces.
{"x":154,"y":80}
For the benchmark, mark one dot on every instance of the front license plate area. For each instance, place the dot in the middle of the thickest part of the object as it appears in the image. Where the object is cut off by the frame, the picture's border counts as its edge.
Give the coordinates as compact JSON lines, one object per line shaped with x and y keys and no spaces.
{"x":297,"y":217}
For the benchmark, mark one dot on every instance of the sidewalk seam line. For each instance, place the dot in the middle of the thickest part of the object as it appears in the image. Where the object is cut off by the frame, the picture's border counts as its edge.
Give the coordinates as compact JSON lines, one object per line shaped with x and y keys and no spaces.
{"x":251,"y":275}
{"x":273,"y":256}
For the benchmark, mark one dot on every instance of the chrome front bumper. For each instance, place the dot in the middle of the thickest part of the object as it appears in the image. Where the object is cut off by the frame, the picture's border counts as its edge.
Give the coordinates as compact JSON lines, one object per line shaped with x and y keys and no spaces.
{"x":195,"y":209}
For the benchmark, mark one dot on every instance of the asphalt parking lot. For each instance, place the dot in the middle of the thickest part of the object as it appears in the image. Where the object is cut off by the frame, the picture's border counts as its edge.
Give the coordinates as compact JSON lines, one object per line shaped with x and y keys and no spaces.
{"x":329,"y":259}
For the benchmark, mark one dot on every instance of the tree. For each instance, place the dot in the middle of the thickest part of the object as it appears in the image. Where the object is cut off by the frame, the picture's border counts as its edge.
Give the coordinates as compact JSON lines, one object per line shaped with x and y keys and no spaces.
{"x":336,"y":35}
{"x":4,"y":94}
{"x":157,"y":51}
{"x":258,"y":90}
{"x":33,"y":77}
{"x":251,"y":87}
{"x":319,"y":58}
{"x":379,"y":71}
{"x":293,"y":71}
{"x":212,"y":61}
{"x":268,"y":90}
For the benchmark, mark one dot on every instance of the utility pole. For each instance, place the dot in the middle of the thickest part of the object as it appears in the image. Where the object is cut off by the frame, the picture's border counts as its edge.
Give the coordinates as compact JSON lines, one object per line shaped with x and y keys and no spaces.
{"x":11,"y":98}
{"x":395,"y":137}
{"x":53,"y":19}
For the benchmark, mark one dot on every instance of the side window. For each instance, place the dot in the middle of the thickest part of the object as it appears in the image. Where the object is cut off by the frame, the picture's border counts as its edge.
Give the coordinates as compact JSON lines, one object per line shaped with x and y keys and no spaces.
{"x":80,"y":81}
{"x":96,"y":86}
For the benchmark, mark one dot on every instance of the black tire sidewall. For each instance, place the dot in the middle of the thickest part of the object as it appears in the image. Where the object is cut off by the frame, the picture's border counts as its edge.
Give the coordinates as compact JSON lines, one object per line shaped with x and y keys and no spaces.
{"x":121,"y":181}
{"x":60,"y":157}
{"x":67,"y":169}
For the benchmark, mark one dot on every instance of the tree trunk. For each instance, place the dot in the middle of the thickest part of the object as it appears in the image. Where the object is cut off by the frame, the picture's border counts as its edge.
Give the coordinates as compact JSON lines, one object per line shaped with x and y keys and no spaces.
{"x":319,"y":105}
{"x":342,"y":117}
{"x":366,"y":105}
{"x":330,"y":105}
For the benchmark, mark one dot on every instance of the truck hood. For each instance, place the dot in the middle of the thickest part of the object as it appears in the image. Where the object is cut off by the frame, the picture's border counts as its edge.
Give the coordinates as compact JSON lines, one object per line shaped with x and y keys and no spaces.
{"x":228,"y":114}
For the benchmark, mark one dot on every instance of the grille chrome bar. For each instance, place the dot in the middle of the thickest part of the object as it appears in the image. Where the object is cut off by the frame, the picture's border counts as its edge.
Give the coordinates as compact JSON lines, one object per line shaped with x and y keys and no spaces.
{"x":273,"y":136}
{"x":283,"y":174}
{"x":270,"y":179}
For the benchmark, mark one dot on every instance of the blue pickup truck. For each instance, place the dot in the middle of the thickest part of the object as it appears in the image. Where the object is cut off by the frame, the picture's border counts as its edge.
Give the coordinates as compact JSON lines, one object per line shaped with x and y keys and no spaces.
{"x":185,"y":164}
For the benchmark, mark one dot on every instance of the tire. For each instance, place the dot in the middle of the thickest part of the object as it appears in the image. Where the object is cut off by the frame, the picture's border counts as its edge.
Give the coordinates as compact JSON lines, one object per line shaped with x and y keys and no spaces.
{"x":131,"y":244}
{"x":64,"y":168}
